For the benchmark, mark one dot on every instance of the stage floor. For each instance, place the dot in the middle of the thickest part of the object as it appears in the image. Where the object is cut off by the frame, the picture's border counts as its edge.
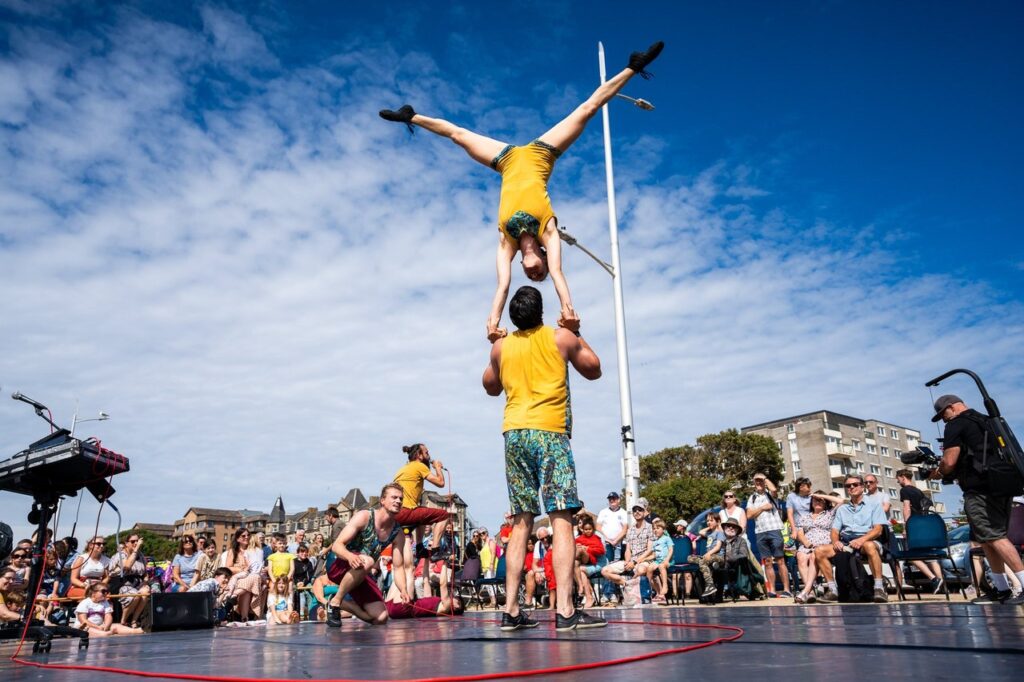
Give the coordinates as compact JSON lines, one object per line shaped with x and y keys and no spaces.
{"x":926,"y":641}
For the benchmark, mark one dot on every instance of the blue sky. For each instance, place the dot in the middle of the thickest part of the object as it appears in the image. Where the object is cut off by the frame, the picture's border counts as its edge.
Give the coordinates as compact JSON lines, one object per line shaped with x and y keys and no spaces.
{"x":206,"y":231}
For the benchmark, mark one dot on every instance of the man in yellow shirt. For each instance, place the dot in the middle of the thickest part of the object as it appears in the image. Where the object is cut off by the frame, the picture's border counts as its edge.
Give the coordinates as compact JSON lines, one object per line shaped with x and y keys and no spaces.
{"x":411,"y":477}
{"x":531,"y":367}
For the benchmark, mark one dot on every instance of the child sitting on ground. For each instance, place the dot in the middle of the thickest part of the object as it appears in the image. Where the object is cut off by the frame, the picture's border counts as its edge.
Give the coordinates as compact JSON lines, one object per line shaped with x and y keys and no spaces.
{"x":96,"y":614}
{"x":280,"y":610}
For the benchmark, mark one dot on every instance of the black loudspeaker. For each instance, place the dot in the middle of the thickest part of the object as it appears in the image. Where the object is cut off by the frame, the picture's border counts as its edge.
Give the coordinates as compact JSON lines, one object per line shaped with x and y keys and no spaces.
{"x":181,"y":610}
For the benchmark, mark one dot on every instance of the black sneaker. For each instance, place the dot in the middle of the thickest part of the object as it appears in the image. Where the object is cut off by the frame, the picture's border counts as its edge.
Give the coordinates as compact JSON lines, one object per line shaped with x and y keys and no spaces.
{"x":1015,"y":601}
{"x":334,"y":617}
{"x":403,"y":115}
{"x":993,"y":597}
{"x":520,"y":622}
{"x":638,"y":61}
{"x":578,"y":621}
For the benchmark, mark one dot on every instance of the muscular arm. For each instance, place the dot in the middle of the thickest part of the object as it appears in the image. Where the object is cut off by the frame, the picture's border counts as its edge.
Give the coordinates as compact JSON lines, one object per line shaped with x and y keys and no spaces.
{"x":947,"y":466}
{"x":347,"y":535}
{"x":437,"y":475}
{"x":579,"y":354}
{"x":503,"y":265}
{"x":492,"y":373}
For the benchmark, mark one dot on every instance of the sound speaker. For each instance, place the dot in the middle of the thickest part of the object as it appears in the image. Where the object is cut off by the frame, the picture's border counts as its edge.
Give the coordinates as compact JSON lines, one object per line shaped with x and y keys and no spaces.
{"x":181,"y":610}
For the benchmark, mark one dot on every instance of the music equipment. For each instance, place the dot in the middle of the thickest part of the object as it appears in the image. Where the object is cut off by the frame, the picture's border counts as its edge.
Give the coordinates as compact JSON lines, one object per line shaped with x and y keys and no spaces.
{"x":181,"y":610}
{"x":62,"y":465}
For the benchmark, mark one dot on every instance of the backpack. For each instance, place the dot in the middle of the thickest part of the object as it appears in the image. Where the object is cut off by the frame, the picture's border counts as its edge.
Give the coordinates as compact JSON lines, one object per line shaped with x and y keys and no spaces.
{"x":852,"y":579}
{"x":1001,"y":462}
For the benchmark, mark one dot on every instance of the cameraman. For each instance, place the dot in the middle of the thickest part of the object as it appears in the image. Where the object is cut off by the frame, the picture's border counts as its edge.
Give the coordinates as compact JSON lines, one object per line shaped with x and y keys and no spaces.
{"x":988,"y":513}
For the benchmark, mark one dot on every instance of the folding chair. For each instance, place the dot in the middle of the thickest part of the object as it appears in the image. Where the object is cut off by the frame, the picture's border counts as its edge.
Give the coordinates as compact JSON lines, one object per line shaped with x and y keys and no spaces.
{"x":926,"y":540}
{"x":682,"y":548}
{"x":465,"y":583}
{"x":498,"y":582}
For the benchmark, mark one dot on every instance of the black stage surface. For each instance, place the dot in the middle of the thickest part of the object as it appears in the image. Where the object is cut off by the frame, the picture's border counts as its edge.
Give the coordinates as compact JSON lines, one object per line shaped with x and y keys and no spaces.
{"x":922,"y":641}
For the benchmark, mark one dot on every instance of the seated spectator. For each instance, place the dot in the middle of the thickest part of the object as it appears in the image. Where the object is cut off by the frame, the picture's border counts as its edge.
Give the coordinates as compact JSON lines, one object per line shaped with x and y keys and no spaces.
{"x":590,"y":559}
{"x":302,"y":575}
{"x":246,"y":582}
{"x":206,"y":564}
{"x":738,"y":558}
{"x":280,"y":609}
{"x":813,"y":530}
{"x":96,"y":615}
{"x":300,"y":539}
{"x":639,"y":548}
{"x":65,"y":558}
{"x":799,"y":501}
{"x":20,"y":561}
{"x":548,"y":566}
{"x":49,"y":587}
{"x":183,"y":566}
{"x":217,"y":584}
{"x":914,"y":503}
{"x":130,"y":566}
{"x":89,"y":568}
{"x":280,"y":563}
{"x":713,"y":557}
{"x":731,"y":509}
{"x":530,"y":564}
{"x":663,"y":549}
{"x":856,"y":527}
{"x":9,"y":612}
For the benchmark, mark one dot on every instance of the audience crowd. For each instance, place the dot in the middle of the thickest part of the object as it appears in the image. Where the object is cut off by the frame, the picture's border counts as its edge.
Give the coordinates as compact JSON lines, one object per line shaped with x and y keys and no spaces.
{"x":623,"y":557}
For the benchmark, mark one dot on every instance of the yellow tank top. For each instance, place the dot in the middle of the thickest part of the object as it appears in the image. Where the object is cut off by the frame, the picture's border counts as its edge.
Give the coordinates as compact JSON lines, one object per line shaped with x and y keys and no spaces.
{"x":411,"y":477}
{"x":486,"y":556}
{"x":536,"y":382}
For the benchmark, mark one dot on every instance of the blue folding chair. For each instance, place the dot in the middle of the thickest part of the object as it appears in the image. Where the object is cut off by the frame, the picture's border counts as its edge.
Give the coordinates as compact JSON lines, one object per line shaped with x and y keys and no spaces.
{"x":682,"y":548}
{"x":498,"y":582}
{"x":926,"y":540}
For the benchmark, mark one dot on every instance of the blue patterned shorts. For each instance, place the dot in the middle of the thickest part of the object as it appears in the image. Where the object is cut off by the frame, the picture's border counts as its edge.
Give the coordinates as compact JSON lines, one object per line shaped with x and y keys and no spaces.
{"x":540,"y":461}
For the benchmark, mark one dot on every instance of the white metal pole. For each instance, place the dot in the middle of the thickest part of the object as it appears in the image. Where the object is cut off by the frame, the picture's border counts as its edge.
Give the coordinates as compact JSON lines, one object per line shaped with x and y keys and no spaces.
{"x":630,"y":463}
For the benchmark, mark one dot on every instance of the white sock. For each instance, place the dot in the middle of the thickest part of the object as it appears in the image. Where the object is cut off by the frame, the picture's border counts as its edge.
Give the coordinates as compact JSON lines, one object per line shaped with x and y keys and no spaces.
{"x":1020,"y":578}
{"x":1000,"y":581}
{"x":878,"y":584}
{"x":832,"y":586}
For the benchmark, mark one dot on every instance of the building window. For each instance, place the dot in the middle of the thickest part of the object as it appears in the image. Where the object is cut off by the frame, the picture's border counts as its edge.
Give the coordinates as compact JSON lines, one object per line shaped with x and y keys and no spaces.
{"x":793,"y":447}
{"x":888,"y":472}
{"x":893,"y":494}
{"x":897,"y":515}
{"x":856,"y":445}
{"x":881,"y":431}
{"x":796,"y":466}
{"x":897,"y":453}
{"x":779,"y":444}
{"x":790,"y":428}
{"x":885,"y":451}
{"x":934,"y":485}
{"x":860,"y":467}
{"x":894,"y":433}
{"x":871,"y":449}
{"x":837,"y":487}
{"x":875,"y":469}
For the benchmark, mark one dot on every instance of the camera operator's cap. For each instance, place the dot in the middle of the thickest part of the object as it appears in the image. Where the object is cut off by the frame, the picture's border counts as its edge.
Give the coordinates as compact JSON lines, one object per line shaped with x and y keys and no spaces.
{"x":942,"y":403}
{"x":642,"y":503}
{"x":613,"y":495}
{"x":731,"y":521}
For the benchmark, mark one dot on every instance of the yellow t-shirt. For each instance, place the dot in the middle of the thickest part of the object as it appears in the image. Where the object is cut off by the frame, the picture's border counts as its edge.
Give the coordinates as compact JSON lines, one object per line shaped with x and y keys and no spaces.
{"x":536,"y":382}
{"x":411,"y":478}
{"x":280,"y":564}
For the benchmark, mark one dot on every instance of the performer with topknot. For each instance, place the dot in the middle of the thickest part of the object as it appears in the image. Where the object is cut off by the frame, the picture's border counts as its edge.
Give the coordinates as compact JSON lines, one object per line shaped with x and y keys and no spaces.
{"x":526,"y":220}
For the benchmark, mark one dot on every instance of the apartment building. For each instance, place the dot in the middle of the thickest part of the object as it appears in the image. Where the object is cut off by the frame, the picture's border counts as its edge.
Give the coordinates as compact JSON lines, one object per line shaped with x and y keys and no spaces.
{"x":826,"y":446}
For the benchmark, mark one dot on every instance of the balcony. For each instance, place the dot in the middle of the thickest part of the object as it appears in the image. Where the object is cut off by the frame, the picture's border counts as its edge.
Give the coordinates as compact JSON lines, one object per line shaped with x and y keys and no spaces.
{"x":939,"y":507}
{"x":839,"y":449}
{"x":834,"y":433}
{"x":837,"y":471}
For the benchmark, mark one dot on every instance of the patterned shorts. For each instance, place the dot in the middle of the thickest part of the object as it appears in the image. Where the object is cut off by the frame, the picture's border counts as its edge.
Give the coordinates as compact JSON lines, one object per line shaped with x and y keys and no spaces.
{"x":540,"y":461}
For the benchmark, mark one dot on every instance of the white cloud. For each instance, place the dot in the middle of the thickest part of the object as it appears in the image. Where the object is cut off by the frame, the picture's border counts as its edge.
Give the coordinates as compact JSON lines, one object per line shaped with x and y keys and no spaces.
{"x":274,"y":295}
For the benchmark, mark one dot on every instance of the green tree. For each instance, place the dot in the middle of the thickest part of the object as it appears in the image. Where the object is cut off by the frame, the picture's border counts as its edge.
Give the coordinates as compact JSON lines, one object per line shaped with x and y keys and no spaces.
{"x":684,"y":480}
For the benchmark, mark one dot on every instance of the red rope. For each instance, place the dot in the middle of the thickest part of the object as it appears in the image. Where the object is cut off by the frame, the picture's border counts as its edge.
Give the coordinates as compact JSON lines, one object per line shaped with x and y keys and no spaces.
{"x":737,"y":633}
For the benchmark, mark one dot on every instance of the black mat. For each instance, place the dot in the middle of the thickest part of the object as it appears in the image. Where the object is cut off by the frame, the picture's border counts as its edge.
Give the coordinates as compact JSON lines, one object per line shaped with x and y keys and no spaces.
{"x":927,"y":641}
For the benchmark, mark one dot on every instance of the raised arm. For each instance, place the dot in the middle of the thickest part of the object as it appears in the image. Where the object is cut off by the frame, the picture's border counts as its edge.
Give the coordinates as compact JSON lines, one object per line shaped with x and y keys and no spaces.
{"x":552,"y":243}
{"x":578,"y":353}
{"x":503,"y":266}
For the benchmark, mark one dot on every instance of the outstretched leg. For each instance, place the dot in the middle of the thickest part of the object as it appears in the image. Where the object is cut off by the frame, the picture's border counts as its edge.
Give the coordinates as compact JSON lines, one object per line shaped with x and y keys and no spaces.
{"x":571,"y":127}
{"x":480,"y":147}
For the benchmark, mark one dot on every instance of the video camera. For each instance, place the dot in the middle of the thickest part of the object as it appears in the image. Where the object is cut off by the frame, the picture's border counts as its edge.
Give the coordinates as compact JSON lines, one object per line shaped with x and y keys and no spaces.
{"x":926,"y":460}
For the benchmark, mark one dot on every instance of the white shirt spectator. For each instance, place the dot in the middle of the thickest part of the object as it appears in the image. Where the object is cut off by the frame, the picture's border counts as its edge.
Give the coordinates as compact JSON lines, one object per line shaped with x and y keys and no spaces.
{"x":879,"y":498}
{"x":611,"y":523}
{"x":766,"y":520}
{"x":94,"y":611}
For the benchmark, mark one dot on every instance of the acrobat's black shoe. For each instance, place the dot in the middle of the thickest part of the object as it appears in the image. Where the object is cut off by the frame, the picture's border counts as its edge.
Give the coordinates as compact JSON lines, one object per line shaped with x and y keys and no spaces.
{"x":578,"y":620}
{"x":334,"y":617}
{"x":638,"y":61}
{"x":403,"y":115}
{"x":520,"y":622}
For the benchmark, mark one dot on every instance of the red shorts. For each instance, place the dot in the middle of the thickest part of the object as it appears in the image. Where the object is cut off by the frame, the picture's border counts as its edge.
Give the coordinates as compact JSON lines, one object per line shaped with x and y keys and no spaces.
{"x":424,"y":608}
{"x":364,"y":593}
{"x":420,"y":516}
